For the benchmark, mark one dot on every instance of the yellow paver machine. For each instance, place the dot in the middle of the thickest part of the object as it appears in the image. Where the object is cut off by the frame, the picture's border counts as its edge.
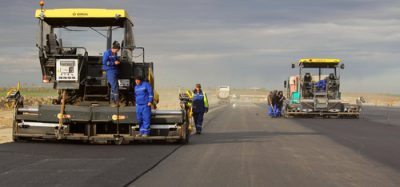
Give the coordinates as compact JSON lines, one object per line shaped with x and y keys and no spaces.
{"x":315,"y":91}
{"x":82,"y":111}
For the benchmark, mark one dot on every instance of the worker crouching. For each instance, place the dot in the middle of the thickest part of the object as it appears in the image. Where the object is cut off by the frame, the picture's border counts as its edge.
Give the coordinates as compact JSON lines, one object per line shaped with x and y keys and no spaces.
{"x":275,"y":104}
{"x":199,"y":107}
{"x":144,"y":98}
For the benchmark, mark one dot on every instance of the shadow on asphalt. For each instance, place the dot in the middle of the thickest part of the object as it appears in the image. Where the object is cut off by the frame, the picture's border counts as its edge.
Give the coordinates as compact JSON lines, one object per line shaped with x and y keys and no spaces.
{"x":81,"y":164}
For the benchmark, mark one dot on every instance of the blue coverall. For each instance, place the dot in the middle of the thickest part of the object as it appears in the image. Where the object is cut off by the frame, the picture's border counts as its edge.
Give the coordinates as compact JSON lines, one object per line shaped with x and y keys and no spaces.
{"x":199,"y":107}
{"x":274,"y":111}
{"x":321,"y":85}
{"x":144,"y":95}
{"x":112,"y":73}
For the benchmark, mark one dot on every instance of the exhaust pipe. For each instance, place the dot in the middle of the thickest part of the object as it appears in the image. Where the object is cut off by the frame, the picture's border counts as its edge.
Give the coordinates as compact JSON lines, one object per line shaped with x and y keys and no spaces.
{"x":166,"y":112}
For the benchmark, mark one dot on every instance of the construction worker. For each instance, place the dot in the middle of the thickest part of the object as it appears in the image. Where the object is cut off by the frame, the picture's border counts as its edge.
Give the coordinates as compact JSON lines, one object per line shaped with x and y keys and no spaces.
{"x":110,"y":66}
{"x":144,"y":99}
{"x":275,"y":101}
{"x":279,"y":105}
{"x":270,"y":109}
{"x":199,"y":107}
{"x":321,"y":85}
{"x":272,"y":104}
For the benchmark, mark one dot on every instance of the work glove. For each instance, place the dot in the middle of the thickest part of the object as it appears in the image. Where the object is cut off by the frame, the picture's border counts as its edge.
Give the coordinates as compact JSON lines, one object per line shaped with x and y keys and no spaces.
{"x":206,"y":110}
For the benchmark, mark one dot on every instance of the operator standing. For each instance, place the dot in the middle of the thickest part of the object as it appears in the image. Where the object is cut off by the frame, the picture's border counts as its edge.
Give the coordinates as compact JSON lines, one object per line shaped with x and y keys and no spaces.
{"x":144,"y":98}
{"x":199,"y":107}
{"x":110,"y":65}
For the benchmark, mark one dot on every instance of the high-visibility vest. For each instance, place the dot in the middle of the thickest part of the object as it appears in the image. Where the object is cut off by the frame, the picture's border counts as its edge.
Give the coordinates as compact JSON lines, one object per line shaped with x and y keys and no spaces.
{"x":205,"y":99}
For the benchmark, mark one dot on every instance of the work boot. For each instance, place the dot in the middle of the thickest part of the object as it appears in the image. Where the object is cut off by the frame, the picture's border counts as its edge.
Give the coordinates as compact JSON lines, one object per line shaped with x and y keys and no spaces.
{"x":114,"y":104}
{"x":138,"y":135}
{"x":198,"y":132}
{"x":145,"y":135}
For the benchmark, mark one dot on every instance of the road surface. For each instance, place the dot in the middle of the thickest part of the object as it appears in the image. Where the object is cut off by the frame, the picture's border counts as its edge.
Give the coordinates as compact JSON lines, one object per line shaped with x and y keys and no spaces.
{"x":240,"y":146}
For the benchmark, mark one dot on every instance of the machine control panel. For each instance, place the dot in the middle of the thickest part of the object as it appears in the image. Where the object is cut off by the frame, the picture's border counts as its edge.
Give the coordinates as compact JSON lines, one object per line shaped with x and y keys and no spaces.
{"x":67,"y":70}
{"x":124,"y":84}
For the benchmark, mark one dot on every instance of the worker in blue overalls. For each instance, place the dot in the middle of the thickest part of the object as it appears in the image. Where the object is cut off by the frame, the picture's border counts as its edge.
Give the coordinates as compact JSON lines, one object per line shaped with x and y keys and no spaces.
{"x":144,"y":99}
{"x":321,"y":85}
{"x":199,"y":107}
{"x":110,"y":66}
{"x":273,"y":110}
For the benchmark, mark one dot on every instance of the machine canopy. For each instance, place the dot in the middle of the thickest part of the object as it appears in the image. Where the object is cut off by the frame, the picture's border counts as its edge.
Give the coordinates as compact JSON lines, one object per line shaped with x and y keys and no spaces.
{"x":81,"y":17}
{"x":319,"y":63}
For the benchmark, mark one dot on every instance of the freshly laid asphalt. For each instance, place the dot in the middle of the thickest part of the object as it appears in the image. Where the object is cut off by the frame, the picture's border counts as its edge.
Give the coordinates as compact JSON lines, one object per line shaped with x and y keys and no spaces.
{"x":240,"y":146}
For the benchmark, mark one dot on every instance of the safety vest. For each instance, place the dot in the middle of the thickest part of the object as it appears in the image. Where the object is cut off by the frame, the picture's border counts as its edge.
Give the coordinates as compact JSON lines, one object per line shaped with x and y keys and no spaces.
{"x":199,"y":102}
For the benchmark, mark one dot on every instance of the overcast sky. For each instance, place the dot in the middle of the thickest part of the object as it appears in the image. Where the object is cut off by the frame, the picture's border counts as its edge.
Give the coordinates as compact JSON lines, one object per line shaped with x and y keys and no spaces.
{"x":233,"y":42}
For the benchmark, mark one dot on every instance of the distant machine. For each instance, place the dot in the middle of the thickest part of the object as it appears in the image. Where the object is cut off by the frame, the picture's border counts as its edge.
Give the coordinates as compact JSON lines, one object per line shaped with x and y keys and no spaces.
{"x":224,"y":94}
{"x":315,"y":91}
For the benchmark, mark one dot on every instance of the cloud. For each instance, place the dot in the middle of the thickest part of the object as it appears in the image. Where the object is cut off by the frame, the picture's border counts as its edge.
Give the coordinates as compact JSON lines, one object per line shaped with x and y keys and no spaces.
{"x":238,"y":43}
{"x":19,"y":64}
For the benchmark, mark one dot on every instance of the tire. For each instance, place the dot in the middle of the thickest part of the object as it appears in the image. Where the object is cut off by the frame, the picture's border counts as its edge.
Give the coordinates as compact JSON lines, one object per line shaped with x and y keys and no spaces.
{"x":185,"y":138}
{"x":14,"y":126}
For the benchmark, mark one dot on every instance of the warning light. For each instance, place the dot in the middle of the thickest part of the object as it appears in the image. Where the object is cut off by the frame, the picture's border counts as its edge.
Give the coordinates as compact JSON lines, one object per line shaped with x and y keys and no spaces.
{"x":41,"y":3}
{"x":63,"y":116}
{"x":45,"y":80}
{"x":116,"y":117}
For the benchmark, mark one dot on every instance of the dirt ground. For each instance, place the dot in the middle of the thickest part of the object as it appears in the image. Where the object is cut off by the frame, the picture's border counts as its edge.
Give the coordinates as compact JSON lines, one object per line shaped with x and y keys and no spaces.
{"x":5,"y":135}
{"x":5,"y":125}
{"x":374,"y":99}
{"x":5,"y":119}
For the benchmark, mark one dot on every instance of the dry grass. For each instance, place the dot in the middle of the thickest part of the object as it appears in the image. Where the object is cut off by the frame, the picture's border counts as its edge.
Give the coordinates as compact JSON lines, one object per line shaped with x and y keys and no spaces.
{"x":6,"y":114}
{"x":374,"y":99}
{"x":5,"y":119}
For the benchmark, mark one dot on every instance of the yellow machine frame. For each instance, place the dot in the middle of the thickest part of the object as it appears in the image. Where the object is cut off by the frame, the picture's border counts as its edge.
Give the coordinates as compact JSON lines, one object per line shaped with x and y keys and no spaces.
{"x":81,"y":13}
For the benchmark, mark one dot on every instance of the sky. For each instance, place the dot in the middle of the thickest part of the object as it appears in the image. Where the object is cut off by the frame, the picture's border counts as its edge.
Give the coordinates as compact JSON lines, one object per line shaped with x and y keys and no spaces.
{"x":239,"y":43}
